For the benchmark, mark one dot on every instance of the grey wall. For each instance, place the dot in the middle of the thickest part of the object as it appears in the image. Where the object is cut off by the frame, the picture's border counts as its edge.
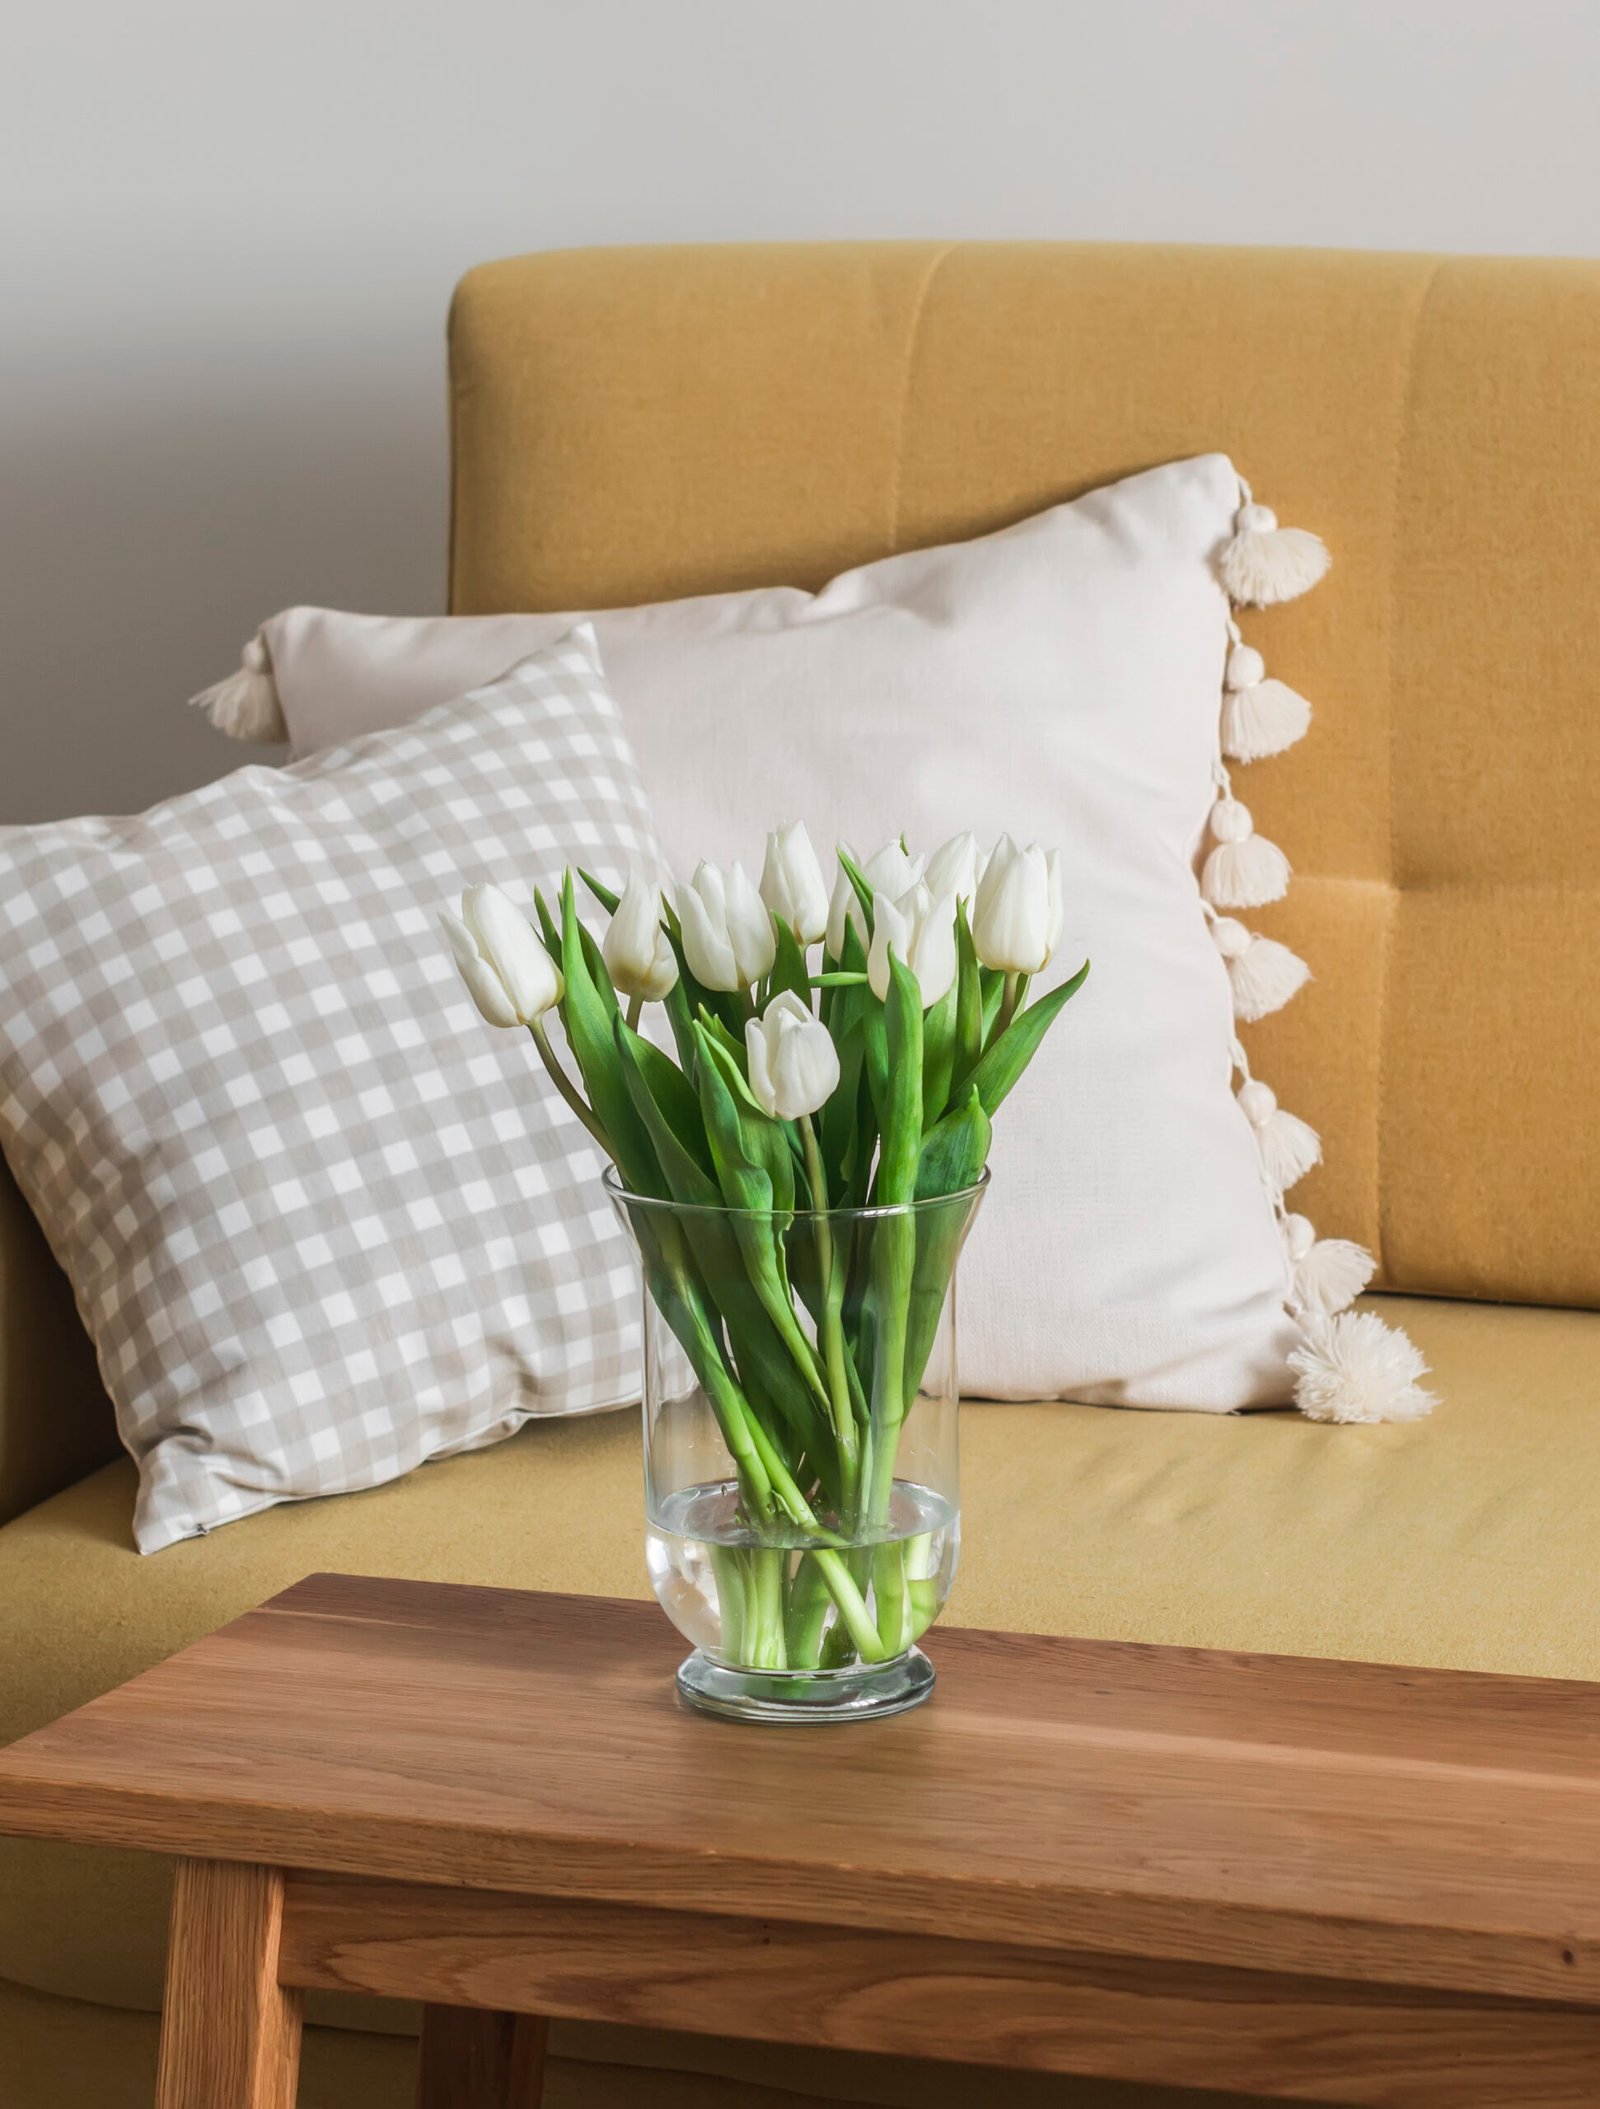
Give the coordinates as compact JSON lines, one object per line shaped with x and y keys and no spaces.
{"x":231,"y":232}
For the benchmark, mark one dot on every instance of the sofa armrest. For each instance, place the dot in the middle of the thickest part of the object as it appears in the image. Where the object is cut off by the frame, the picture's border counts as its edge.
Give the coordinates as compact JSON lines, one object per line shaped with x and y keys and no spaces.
{"x":56,"y":1422}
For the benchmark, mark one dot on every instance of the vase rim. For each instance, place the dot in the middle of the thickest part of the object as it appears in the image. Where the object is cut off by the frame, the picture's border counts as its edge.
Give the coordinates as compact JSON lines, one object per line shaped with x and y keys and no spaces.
{"x":621,"y":1195}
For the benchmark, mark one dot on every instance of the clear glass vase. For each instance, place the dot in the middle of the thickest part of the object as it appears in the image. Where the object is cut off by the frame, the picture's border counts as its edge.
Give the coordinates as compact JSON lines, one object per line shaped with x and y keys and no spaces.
{"x":800,"y":1447}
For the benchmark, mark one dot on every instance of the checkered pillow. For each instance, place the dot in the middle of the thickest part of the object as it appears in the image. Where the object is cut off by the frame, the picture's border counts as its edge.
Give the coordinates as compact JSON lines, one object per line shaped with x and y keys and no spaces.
{"x":320,"y":1221}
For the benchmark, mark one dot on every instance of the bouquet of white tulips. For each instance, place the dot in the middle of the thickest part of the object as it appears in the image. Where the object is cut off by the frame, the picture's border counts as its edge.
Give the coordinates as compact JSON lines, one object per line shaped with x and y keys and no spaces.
{"x":839,"y":1050}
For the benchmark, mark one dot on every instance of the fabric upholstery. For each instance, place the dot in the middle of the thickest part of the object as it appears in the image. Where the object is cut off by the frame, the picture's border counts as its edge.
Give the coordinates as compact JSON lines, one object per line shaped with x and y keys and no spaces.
{"x":631,"y":424}
{"x":1467,"y":1540}
{"x":321,"y":1220}
{"x":55,"y":1419}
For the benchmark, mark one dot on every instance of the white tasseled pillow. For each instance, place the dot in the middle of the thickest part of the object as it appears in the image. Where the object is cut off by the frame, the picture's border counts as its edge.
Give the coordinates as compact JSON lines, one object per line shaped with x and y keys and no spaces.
{"x":1076,"y":679}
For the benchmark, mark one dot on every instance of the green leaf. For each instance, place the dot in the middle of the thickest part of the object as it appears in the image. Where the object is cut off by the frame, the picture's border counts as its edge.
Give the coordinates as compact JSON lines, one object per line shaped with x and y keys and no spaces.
{"x":602,"y":893}
{"x":863,"y":890}
{"x":737,"y":1151}
{"x":901,"y":1115}
{"x":993,"y":984}
{"x":769,"y":1143}
{"x":954,"y":1152}
{"x":547,"y":926}
{"x":599,"y":972}
{"x":588,"y":1022}
{"x":938,"y":1054}
{"x":1007,"y":1056}
{"x":789,"y":966}
{"x":969,"y":1004}
{"x":669,"y":1106}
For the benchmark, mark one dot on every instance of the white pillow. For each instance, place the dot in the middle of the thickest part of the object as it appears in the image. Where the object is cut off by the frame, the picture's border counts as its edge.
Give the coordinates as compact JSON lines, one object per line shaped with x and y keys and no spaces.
{"x":1063,"y":680}
{"x":320,"y":1223}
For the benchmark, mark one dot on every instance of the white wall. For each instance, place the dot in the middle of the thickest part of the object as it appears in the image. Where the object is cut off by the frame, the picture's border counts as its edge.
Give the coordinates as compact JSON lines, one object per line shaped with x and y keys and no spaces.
{"x":231,"y":232}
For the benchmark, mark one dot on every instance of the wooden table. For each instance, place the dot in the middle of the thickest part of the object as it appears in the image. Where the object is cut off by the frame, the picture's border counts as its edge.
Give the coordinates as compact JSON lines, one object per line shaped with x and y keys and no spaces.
{"x":1315,"y":1880}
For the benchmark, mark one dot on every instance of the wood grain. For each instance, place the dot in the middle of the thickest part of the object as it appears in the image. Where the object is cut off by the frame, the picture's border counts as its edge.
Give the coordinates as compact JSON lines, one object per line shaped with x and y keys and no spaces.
{"x":470,"y":2059}
{"x":971,"y":2002}
{"x":1331,"y":1819}
{"x":230,"y":2031}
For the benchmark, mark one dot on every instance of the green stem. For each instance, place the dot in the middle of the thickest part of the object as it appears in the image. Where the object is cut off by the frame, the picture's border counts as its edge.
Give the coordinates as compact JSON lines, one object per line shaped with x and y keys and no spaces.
{"x":833,"y":1347}
{"x":635,"y":1010}
{"x":764,"y":1647}
{"x":853,"y":1612}
{"x":1008,"y":1002}
{"x":564,"y":1084}
{"x":807,"y":1613}
{"x":892,"y":1270}
{"x":892,"y":1602}
{"x":727,"y":1564}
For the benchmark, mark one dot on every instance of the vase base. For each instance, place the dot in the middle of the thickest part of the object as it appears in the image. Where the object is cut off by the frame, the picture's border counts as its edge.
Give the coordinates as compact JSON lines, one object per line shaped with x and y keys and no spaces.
{"x":789,"y":1697}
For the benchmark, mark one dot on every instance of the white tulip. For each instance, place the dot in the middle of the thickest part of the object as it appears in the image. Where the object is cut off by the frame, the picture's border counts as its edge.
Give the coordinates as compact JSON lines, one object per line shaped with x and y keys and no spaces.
{"x":922,"y":932}
{"x":887,"y":871}
{"x":792,"y":884}
{"x":955,"y":869}
{"x":638,"y":957}
{"x":727,"y":932}
{"x":1016,"y":924}
{"x":794,"y":1065}
{"x":509,"y":974}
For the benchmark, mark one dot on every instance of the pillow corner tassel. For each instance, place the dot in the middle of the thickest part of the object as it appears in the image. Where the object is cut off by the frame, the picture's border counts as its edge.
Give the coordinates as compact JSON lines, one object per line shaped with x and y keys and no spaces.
{"x":1353,"y":1368}
{"x":1264,"y":564}
{"x":246,"y":706}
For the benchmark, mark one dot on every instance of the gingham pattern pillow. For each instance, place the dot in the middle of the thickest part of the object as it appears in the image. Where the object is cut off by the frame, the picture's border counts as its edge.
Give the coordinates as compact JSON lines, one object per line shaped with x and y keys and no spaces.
{"x":321,"y":1222}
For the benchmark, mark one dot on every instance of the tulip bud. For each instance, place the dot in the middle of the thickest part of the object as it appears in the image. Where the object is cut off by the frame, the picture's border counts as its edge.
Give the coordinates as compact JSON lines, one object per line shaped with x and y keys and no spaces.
{"x":509,"y":974}
{"x":887,"y":871}
{"x":727,"y":932}
{"x":922,"y":933}
{"x":792,"y":884}
{"x":1016,"y":924}
{"x":955,"y":869}
{"x":638,"y":957}
{"x":794,"y":1065}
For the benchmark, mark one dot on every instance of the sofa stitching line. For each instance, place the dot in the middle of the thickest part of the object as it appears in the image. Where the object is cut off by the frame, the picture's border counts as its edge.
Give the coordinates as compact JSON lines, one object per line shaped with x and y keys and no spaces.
{"x":1393,"y":891}
{"x":913,"y":339}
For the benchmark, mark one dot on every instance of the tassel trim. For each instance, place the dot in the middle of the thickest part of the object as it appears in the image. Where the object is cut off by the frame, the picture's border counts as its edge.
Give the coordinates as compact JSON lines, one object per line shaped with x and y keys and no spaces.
{"x":247,"y":705}
{"x":1262,"y":974}
{"x":1349,"y":1366}
{"x":1265,"y":563}
{"x":1244,"y":870}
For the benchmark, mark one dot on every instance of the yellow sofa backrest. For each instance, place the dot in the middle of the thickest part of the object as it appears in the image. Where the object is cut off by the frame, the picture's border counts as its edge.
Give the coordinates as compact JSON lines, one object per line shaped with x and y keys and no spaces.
{"x":633,"y":424}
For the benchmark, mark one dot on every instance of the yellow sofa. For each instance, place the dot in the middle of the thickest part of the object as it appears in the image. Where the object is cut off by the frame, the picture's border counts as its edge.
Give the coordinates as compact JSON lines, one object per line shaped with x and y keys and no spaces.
{"x":631,"y":424}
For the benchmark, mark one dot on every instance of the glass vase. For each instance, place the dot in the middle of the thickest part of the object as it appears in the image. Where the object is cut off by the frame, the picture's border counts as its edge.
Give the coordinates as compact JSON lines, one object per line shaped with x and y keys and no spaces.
{"x":801,"y":1462}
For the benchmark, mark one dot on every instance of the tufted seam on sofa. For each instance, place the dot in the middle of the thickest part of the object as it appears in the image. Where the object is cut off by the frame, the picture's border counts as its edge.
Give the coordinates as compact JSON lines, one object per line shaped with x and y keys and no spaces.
{"x":913,"y":338}
{"x":1394,"y":888}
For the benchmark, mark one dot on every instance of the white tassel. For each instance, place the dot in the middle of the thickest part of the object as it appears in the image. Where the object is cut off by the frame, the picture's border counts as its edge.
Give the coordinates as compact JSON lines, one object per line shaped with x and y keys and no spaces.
{"x":1244,"y":870}
{"x":246,"y":706}
{"x":1289,"y":1148}
{"x":1263,"y":974}
{"x":1356,"y":1368}
{"x":1266,"y":563}
{"x":1329,"y":1273}
{"x":1262,"y":718}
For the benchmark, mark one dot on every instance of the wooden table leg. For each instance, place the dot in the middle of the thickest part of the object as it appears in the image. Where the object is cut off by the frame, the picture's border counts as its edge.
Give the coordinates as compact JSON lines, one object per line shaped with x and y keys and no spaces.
{"x":230,"y":2033}
{"x":474,"y":2059}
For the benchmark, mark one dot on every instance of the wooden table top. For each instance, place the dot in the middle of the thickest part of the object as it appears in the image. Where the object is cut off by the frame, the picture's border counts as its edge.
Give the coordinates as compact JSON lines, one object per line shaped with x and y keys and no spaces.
{"x":1419,"y":1827}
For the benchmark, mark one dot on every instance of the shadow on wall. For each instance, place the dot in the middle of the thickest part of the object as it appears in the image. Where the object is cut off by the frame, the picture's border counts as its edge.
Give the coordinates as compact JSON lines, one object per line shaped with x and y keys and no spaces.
{"x":145,"y":537}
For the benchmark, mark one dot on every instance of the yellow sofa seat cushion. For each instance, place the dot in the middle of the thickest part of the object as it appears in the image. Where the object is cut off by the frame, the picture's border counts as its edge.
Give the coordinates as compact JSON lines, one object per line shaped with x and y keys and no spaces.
{"x":1466,"y":1541}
